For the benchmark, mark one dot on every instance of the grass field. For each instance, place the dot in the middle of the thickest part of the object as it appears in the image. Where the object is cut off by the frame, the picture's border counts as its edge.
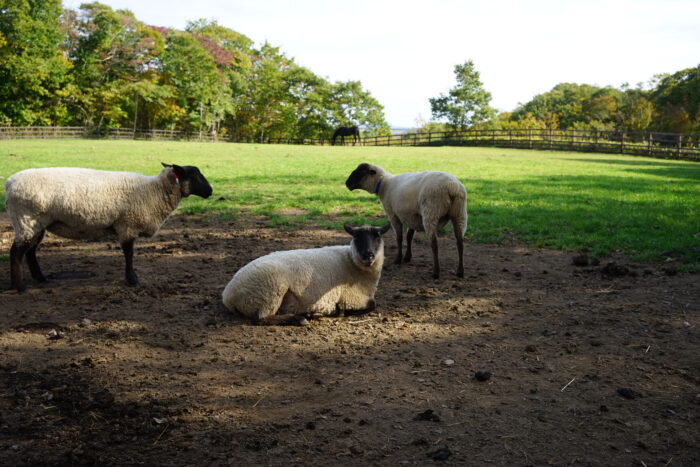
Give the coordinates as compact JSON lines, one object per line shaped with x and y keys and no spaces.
{"x":647,"y":208}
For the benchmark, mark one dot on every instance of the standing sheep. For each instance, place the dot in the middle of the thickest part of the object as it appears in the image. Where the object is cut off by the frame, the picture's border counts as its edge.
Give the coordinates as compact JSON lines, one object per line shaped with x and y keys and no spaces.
{"x":424,"y":201}
{"x":87,"y":204}
{"x":284,"y":286}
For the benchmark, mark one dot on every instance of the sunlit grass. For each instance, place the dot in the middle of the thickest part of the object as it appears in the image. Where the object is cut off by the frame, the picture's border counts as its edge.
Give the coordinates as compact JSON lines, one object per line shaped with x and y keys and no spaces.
{"x":648,"y":208}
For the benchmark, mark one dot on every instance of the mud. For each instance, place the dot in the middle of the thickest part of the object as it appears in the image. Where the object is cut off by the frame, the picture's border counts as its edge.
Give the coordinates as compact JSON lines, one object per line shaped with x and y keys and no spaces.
{"x":534,"y":358}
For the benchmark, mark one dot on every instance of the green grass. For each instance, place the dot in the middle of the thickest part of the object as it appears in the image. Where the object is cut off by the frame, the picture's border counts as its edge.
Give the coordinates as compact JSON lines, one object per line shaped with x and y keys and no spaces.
{"x":647,"y":208}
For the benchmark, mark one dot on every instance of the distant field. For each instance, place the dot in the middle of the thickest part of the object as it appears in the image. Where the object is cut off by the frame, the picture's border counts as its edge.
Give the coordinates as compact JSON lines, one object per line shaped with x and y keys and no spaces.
{"x":648,"y":208}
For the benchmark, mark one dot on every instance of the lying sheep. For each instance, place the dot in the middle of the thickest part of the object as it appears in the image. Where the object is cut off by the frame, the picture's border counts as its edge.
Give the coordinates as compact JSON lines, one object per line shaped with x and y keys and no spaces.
{"x":423,"y":201}
{"x":85,"y":203}
{"x":285,"y":287}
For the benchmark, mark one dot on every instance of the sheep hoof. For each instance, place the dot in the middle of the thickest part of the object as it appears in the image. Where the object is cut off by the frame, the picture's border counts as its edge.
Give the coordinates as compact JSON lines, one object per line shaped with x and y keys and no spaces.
{"x":436,"y":275}
{"x":132,"y":280}
{"x":300,"y":320}
{"x":460,"y":273}
{"x":397,"y":260}
{"x":407,"y":259}
{"x":20,"y":288}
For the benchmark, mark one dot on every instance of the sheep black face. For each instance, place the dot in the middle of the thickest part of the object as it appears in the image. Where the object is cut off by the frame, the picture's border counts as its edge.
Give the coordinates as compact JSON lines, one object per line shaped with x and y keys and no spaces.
{"x":357,"y":176}
{"x":191,"y":180}
{"x":367,"y":242}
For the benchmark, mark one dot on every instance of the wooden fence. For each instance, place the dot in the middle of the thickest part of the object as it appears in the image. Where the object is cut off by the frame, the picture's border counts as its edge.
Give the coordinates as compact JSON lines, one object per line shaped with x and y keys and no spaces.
{"x":663,"y":145}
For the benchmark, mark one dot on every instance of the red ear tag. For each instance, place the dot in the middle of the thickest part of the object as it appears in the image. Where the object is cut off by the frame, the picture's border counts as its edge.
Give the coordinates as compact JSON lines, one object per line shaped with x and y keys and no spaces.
{"x":177,"y":179}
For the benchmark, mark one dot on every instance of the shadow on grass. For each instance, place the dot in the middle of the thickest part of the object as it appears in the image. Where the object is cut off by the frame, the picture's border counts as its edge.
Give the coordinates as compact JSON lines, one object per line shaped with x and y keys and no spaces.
{"x":681,"y":170}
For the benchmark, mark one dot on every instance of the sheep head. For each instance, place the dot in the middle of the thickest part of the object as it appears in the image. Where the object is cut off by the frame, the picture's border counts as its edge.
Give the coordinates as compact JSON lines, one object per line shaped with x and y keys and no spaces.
{"x":190,"y":179}
{"x":365,"y":177}
{"x":367,"y":244}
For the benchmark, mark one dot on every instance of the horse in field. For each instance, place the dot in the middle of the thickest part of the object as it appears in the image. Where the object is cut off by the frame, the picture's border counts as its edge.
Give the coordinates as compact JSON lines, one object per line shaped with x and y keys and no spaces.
{"x":344,"y":131}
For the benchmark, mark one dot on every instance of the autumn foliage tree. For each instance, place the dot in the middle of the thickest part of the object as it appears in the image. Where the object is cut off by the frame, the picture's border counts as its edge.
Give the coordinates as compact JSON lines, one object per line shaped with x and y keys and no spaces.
{"x":96,"y":66}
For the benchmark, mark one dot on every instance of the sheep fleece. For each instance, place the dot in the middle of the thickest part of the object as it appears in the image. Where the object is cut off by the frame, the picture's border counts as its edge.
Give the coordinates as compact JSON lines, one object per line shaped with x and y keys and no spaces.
{"x":422,"y":199}
{"x":319,"y":279}
{"x":87,"y":203}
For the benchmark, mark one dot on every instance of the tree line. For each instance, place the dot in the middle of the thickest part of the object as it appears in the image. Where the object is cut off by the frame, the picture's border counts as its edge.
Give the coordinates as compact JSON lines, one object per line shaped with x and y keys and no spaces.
{"x":99,"y":67}
{"x":667,"y":103}
{"x":95,"y":66}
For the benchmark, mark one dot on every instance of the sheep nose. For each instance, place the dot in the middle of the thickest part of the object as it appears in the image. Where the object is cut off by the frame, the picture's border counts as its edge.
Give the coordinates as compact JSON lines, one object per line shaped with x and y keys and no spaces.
{"x":370,"y":255}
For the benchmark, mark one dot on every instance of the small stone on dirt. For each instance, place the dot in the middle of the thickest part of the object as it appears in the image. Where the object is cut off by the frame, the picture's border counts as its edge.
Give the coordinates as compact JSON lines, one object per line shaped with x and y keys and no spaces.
{"x":612,"y":269}
{"x":427,"y":416}
{"x":441,"y":454}
{"x":54,"y":334}
{"x":482,"y":375}
{"x":628,"y":393}
{"x":448,"y":362}
{"x":580,"y":260}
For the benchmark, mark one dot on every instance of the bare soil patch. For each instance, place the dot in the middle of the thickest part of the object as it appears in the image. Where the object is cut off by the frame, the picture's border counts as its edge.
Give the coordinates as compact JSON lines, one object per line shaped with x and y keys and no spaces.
{"x":577,"y":364}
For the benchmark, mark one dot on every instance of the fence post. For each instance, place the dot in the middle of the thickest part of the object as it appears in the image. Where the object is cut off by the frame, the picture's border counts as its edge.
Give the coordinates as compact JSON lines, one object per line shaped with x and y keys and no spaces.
{"x":680,"y":146}
{"x":622,"y":143}
{"x":595,"y":141}
{"x":649,"y":142}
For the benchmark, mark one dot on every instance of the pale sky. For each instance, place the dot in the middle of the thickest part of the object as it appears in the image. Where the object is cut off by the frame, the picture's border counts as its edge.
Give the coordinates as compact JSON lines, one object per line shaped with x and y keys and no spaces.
{"x":404,"y":52}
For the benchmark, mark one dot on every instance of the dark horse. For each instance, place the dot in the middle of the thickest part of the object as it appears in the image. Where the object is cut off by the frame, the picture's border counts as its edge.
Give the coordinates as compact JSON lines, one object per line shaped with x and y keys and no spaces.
{"x":344,"y":131}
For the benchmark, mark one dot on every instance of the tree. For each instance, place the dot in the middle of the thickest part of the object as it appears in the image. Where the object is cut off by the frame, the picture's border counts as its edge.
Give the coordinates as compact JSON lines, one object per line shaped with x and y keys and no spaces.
{"x":349,"y":104}
{"x":467,"y":103}
{"x":636,"y":112}
{"x":677,"y":101}
{"x":111,"y":51}
{"x":33,"y":71}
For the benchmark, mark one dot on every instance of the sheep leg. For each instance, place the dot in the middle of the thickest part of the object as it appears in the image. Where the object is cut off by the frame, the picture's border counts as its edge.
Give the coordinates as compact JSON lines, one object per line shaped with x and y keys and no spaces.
{"x":460,"y":252}
{"x":409,"y":241}
{"x":17,"y":252}
{"x":33,"y":263}
{"x":436,"y":264}
{"x":128,"y":249}
{"x":282,"y":320}
{"x":370,"y":306}
{"x":398,"y":230}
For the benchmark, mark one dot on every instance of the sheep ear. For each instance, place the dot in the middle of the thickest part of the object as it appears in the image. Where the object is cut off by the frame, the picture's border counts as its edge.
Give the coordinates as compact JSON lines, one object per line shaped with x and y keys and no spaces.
{"x":179,"y":171}
{"x":385,"y":229}
{"x":349,"y":229}
{"x":372,"y":172}
{"x":166,"y":165}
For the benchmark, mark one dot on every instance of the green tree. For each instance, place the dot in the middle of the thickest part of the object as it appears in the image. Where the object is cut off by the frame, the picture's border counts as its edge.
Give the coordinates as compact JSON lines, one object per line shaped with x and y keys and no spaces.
{"x":636,"y":112}
{"x":467,"y":103}
{"x":676,"y":99}
{"x":203,"y":93}
{"x":111,"y":51}
{"x":33,"y":71}
{"x":349,"y":104}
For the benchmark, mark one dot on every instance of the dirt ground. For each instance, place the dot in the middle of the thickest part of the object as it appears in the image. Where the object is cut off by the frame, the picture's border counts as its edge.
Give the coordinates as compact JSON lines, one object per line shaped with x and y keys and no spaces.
{"x":581,"y":365}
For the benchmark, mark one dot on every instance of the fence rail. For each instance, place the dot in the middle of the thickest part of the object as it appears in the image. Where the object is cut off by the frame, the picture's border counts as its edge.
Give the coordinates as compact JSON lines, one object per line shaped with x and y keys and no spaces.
{"x":653,"y":144}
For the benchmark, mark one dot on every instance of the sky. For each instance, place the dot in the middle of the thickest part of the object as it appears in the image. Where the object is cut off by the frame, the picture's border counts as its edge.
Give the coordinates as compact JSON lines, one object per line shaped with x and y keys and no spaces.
{"x":404,"y":52}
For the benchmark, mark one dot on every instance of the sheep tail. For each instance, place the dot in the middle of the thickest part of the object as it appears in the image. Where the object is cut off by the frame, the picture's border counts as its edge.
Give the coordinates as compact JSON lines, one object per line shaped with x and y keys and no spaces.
{"x":458,"y":206}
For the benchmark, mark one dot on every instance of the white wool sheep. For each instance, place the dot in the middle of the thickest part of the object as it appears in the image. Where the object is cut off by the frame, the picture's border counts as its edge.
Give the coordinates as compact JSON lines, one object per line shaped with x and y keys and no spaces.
{"x":286,"y":286}
{"x":423,"y":201}
{"x":85,"y":203}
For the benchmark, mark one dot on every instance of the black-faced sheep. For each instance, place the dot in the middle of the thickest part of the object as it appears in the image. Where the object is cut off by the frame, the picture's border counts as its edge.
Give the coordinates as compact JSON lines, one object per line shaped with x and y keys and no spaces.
{"x":285,"y":287}
{"x":89,"y":204}
{"x":423,"y":201}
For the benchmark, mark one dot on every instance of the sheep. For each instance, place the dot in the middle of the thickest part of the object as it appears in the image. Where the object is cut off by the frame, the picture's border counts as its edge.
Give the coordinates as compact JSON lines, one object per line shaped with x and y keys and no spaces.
{"x":286,"y":287}
{"x":423,"y":201}
{"x":90,"y":204}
